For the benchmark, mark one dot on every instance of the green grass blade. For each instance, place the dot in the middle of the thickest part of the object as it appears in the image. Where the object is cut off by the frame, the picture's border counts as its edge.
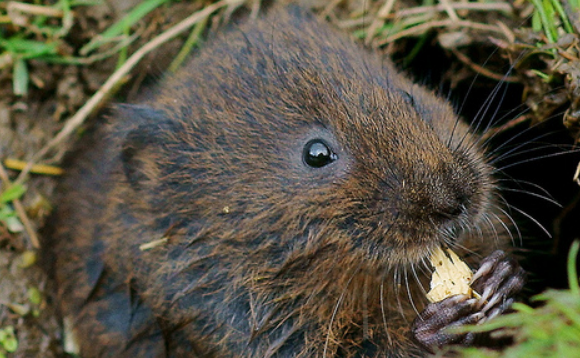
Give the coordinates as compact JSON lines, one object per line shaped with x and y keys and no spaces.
{"x":542,"y":11}
{"x":13,"y":192}
{"x":20,"y":77}
{"x":122,"y":25}
{"x":560,"y":10}
{"x":572,"y":272}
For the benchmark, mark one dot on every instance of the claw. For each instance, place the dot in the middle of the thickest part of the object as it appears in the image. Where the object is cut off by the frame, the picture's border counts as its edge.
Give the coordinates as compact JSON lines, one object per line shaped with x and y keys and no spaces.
{"x":487,"y":294}
{"x":492,"y":302}
{"x":487,"y":264}
{"x":499,"y":310}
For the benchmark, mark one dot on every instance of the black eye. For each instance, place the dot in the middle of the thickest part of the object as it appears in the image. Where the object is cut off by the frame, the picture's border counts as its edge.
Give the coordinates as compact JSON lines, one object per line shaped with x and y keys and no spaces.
{"x":317,"y":154}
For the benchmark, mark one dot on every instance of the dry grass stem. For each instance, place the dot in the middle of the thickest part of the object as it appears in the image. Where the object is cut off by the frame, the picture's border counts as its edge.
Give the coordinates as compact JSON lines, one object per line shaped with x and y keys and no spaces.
{"x":421,"y":29}
{"x":329,"y":8}
{"x":482,"y":70}
{"x":42,"y":169}
{"x":499,"y":6}
{"x":449,"y":10}
{"x":89,"y":107}
{"x":13,"y":7}
{"x":383,"y":12}
{"x":511,"y":124}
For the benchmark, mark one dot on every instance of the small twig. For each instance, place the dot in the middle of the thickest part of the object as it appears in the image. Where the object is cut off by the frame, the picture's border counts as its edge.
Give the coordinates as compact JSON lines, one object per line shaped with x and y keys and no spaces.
{"x":20,"y":211}
{"x":42,"y":169}
{"x":507,"y":32}
{"x":483,"y":71}
{"x":81,"y":115}
{"x":383,"y":12}
{"x":509,"y":125}
{"x":191,"y":41}
{"x":153,"y":244}
{"x":421,"y":29}
{"x":449,"y":10}
{"x":328,"y":8}
{"x":350,"y":23}
{"x":33,"y":9}
{"x":497,"y":6}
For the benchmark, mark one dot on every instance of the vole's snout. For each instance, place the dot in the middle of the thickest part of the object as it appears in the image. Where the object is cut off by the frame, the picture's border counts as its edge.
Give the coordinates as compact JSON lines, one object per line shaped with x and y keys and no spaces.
{"x":449,"y":207}
{"x":442,"y":199}
{"x":433,"y":204}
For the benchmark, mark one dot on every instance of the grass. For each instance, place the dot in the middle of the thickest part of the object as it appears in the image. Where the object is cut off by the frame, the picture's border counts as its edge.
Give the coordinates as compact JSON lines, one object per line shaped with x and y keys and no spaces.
{"x":41,"y":29}
{"x":550,"y":331}
{"x":37,"y":37}
{"x":550,"y":18}
{"x":8,"y":216}
{"x":8,"y":341}
{"x":553,"y":19}
{"x":118,"y":32}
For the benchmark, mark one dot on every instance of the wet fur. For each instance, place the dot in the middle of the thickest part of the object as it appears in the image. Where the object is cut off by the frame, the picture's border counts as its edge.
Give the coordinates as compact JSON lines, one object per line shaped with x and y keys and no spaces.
{"x":262,"y":256}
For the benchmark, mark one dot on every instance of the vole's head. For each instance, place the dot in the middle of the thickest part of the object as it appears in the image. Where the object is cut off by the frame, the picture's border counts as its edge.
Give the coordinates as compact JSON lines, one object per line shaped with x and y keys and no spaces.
{"x":297,"y":138}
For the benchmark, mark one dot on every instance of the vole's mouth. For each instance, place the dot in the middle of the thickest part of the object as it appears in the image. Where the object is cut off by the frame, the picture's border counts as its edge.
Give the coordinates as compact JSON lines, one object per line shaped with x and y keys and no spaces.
{"x":404,"y":252}
{"x":410,"y":247}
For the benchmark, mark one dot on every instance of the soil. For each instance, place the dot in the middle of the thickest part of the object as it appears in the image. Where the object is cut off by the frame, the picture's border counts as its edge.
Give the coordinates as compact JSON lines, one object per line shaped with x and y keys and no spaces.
{"x":489,"y":78}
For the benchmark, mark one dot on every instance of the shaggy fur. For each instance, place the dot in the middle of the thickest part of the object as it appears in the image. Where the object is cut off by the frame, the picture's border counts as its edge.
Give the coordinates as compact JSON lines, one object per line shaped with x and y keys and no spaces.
{"x":255,"y":253}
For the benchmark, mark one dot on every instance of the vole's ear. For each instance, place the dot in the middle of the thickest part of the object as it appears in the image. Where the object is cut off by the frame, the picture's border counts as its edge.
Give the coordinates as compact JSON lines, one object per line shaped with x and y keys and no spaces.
{"x":145,"y":144}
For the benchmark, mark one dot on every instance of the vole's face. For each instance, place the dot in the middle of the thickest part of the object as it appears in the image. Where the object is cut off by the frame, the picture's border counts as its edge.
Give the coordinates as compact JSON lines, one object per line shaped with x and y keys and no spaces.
{"x":389,"y":173}
{"x":395,"y":181}
{"x":291,"y":137}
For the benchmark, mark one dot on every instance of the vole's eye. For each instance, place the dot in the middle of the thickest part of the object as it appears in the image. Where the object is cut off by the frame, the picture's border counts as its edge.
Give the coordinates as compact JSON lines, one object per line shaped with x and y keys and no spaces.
{"x":317,"y":154}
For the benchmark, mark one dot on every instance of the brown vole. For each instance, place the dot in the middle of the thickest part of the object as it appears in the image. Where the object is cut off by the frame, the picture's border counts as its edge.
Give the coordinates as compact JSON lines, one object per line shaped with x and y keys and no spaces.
{"x":276,"y":198}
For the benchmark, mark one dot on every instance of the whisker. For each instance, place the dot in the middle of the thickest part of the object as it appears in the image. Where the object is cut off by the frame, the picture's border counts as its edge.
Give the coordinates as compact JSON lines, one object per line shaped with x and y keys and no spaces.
{"x":525,"y":111}
{"x":514,"y":224}
{"x":512,"y":239}
{"x":552,"y":155}
{"x":514,"y":137}
{"x":521,"y":181}
{"x":516,"y":149}
{"x":365,"y":308}
{"x":409,"y":294}
{"x":335,"y":310}
{"x":398,"y":284}
{"x":382,"y":301}
{"x":419,"y":283}
{"x":532,"y":219}
{"x":487,"y":220}
{"x":550,"y":200}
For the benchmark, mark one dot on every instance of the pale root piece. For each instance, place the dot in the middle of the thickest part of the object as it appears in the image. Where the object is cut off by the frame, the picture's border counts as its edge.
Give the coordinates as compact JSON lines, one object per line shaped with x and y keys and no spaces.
{"x":451,"y":276}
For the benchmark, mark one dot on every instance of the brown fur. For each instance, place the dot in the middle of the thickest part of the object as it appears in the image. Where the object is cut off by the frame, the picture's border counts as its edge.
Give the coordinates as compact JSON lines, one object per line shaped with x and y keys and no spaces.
{"x":261,"y":255}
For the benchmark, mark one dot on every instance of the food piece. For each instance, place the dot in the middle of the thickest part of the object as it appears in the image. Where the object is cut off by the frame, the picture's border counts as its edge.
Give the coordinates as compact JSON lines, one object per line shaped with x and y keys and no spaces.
{"x":451,"y":276}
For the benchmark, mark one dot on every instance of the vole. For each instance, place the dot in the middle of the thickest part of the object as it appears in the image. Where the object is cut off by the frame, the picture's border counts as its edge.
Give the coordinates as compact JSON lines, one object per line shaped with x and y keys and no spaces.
{"x":277,"y":197}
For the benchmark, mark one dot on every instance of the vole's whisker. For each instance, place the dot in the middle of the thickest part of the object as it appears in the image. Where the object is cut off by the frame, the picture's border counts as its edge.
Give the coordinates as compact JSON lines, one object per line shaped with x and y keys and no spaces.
{"x":531,"y":218}
{"x":529,"y":160}
{"x":408,"y":289}
{"x":526,"y":182}
{"x":506,"y":229}
{"x":531,"y":193}
{"x":335,"y":311}
{"x":383,"y":311}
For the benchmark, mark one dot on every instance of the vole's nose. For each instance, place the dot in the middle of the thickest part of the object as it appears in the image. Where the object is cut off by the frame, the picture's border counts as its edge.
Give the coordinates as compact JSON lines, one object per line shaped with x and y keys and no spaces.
{"x":442,"y":196}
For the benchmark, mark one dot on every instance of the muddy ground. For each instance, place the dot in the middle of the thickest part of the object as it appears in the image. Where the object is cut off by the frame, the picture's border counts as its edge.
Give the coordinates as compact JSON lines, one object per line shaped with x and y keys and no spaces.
{"x":487,"y":72}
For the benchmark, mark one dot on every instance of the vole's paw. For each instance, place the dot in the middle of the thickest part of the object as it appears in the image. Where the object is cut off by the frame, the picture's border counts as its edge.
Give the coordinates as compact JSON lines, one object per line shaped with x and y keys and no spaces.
{"x":430,"y":327}
{"x":498,"y":279}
